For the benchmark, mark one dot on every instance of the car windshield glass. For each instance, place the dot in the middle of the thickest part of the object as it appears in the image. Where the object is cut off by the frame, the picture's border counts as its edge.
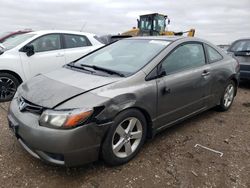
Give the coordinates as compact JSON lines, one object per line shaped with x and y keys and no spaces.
{"x":124,"y":56}
{"x":242,"y":45}
{"x":13,"y":42}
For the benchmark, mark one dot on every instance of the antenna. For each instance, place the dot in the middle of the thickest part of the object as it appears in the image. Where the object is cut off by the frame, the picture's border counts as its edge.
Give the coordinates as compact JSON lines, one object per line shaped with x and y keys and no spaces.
{"x":83,"y":26}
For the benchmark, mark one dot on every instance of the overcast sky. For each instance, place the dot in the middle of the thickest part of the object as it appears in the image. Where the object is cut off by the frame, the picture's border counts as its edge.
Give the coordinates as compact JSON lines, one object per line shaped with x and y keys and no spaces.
{"x":220,"y":21}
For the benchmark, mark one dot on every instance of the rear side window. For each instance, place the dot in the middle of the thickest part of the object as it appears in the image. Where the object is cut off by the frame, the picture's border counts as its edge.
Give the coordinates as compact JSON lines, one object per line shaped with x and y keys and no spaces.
{"x":186,"y":56}
{"x":76,"y":41}
{"x":213,"y":55}
{"x":47,"y":43}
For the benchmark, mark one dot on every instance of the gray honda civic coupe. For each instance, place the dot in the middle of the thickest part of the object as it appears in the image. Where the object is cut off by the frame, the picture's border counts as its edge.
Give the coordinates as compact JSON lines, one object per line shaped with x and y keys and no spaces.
{"x":107,"y":103}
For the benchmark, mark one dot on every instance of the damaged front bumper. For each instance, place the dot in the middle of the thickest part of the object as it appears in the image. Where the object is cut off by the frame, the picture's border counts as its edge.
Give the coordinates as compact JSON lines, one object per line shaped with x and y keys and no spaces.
{"x":70,"y":147}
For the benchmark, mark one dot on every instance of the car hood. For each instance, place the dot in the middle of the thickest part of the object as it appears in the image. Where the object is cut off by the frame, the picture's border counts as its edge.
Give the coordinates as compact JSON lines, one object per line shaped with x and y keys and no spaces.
{"x":54,"y":88}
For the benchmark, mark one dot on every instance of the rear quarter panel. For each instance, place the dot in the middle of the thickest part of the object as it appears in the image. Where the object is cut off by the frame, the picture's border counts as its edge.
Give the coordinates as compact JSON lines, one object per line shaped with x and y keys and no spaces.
{"x":221,"y":72}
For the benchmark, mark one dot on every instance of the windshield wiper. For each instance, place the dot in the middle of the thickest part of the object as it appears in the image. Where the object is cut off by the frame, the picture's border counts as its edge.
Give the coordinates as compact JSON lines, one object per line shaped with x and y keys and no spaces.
{"x":77,"y":67}
{"x":109,"y":71}
{"x":243,"y":51}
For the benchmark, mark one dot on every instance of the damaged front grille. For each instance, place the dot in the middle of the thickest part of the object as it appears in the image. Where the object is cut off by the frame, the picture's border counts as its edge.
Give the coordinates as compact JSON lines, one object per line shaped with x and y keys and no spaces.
{"x":26,"y":106}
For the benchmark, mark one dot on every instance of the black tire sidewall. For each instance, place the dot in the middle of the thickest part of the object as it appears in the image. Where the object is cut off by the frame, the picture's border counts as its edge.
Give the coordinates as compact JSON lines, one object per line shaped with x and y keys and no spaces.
{"x":14,"y":79}
{"x":107,"y":153}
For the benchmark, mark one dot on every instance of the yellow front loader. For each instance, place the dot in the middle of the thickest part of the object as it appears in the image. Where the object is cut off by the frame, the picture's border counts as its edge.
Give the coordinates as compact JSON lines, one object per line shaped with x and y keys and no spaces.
{"x":153,"y":25}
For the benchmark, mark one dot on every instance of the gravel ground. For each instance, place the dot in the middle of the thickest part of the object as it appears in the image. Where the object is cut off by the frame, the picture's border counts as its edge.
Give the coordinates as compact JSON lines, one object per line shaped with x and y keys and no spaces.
{"x":168,"y":160}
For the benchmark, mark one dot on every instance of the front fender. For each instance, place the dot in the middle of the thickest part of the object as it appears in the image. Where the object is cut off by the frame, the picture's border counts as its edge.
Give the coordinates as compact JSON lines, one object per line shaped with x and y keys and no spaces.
{"x":122,"y":102}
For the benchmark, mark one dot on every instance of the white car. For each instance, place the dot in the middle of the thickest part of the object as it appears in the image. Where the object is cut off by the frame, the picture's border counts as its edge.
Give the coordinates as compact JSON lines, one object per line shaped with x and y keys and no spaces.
{"x":27,"y":55}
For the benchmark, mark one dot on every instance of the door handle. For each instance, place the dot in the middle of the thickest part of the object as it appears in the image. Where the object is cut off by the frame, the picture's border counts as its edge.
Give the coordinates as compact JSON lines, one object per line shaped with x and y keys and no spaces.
{"x":166,"y":90}
{"x":205,"y":73}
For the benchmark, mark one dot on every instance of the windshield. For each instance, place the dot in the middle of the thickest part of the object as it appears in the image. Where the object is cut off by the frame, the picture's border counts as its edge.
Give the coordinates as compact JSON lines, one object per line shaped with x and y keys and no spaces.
{"x":242,"y":45}
{"x":13,"y":42}
{"x":145,"y":23}
{"x":159,"y":23}
{"x":125,"y":56}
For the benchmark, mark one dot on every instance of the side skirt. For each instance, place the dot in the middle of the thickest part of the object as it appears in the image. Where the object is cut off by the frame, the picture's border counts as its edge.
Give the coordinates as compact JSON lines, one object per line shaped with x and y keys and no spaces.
{"x":155,"y":131}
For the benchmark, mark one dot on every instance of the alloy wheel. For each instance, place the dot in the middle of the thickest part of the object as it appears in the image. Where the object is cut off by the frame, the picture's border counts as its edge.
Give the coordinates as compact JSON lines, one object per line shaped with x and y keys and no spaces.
{"x":7,"y":88}
{"x":127,"y":137}
{"x":228,"y":96}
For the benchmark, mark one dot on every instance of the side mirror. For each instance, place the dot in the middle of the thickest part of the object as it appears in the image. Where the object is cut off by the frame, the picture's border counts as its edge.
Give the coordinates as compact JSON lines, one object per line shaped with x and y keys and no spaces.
{"x":162,"y":73}
{"x":154,"y":74}
{"x":29,"y":49}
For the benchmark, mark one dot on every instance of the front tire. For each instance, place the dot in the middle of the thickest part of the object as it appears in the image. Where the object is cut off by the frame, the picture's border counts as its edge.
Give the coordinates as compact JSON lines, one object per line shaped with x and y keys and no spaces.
{"x":8,"y":86}
{"x":228,"y":96}
{"x":125,"y":137}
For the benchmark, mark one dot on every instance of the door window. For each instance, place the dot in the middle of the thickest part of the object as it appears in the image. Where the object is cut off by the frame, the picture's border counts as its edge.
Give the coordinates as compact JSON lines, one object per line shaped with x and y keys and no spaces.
{"x":47,"y":43}
{"x":213,"y":55}
{"x":184,"y":57}
{"x":76,"y":41}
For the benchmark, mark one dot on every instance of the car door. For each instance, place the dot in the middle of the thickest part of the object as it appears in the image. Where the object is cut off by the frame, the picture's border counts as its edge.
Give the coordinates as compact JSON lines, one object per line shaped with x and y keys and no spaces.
{"x":48,"y":55}
{"x":183,"y":89}
{"x":76,"y":46}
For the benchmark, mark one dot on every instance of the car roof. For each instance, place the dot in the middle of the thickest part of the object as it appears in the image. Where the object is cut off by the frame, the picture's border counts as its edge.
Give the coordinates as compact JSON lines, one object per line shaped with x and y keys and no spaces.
{"x":242,"y":39}
{"x":42,"y":32}
{"x":167,"y":38}
{"x":171,"y":38}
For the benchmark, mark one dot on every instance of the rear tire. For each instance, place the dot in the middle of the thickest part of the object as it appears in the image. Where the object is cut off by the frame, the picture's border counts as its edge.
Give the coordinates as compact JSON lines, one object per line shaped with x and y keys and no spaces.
{"x":125,"y":137}
{"x":227,"y":97}
{"x":8,"y":86}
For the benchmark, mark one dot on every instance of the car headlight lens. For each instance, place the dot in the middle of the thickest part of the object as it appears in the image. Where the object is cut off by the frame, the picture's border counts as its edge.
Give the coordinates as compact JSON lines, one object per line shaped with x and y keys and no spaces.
{"x":64,"y":119}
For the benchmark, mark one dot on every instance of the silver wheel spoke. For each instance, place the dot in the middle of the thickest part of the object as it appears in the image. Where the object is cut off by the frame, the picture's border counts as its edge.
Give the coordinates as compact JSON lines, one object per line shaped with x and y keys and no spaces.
{"x":131,"y":125}
{"x":128,"y":148}
{"x":9,"y":82}
{"x":229,"y":95}
{"x":230,"y":90}
{"x":120,"y":131}
{"x":117,"y":147}
{"x":136,"y":135}
{"x":225,"y":103}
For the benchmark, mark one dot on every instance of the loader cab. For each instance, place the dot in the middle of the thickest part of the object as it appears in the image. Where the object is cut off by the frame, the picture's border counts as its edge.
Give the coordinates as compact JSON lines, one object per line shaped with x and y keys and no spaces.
{"x":152,"y":24}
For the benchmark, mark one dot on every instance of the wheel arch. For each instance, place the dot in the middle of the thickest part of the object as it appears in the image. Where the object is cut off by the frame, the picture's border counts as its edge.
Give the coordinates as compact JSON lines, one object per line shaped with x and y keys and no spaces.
{"x":236,"y":82}
{"x":13,"y":74}
{"x":148,"y":119}
{"x":145,"y":114}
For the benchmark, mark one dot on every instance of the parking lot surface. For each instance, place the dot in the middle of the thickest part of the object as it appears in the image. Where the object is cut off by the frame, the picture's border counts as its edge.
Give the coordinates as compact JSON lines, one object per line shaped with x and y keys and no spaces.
{"x":168,"y":160}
